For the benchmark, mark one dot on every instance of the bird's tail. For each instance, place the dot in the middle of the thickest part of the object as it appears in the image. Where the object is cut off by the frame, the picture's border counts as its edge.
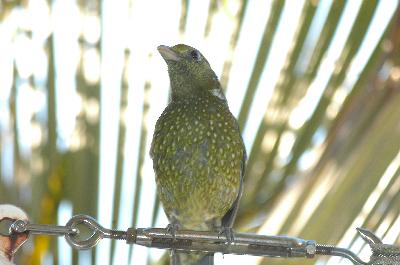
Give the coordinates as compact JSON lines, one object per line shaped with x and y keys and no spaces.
{"x":191,"y":259}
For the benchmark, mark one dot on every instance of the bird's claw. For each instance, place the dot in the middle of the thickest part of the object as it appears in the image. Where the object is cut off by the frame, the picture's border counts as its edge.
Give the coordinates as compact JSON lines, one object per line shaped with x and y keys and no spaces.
{"x":228,"y":232}
{"x":171,"y":228}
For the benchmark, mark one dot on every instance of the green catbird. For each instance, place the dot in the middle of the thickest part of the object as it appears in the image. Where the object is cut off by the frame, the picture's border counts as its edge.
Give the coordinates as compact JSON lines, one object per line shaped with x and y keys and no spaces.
{"x":197,"y":150}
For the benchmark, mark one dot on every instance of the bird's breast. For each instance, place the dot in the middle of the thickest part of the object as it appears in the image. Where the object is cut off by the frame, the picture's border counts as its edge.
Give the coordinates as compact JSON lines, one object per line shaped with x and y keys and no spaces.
{"x":197,"y":155}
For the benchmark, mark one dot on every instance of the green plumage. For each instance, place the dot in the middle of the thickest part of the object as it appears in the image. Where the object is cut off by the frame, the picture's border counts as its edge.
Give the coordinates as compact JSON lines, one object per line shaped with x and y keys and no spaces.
{"x":198,"y":153}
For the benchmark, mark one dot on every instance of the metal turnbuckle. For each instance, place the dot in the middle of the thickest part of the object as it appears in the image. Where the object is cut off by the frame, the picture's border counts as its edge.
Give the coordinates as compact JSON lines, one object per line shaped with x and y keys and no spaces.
{"x":84,"y":232}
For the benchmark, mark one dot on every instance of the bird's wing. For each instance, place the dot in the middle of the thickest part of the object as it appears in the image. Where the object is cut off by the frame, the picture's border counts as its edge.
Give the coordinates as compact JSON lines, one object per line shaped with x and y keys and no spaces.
{"x":230,"y":216}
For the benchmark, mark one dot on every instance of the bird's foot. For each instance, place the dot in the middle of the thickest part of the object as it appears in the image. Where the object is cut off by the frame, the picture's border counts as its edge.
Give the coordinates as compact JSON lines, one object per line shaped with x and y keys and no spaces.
{"x":228,"y":232}
{"x":172,"y":228}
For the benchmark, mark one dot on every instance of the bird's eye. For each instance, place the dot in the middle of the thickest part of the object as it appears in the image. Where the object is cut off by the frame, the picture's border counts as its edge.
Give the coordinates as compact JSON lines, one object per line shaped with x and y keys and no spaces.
{"x":195,"y":55}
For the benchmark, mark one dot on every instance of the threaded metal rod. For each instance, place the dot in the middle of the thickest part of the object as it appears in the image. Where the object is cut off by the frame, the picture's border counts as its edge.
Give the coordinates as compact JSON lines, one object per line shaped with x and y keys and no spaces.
{"x":341,"y":252}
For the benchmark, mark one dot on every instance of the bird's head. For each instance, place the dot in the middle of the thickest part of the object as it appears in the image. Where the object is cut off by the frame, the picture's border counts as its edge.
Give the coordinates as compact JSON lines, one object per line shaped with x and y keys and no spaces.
{"x":190,"y":73}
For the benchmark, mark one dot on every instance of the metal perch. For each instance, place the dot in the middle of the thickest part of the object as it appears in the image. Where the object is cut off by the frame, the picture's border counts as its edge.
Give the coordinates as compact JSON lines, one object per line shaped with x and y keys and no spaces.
{"x":83,"y":232}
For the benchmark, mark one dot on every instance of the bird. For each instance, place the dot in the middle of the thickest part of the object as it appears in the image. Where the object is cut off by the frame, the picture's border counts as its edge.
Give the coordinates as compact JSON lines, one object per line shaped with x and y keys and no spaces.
{"x":197,"y":151}
{"x":10,"y":244}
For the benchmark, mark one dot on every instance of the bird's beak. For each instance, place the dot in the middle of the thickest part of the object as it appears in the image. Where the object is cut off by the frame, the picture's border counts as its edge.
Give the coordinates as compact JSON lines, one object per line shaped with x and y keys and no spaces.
{"x":168,"y":54}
